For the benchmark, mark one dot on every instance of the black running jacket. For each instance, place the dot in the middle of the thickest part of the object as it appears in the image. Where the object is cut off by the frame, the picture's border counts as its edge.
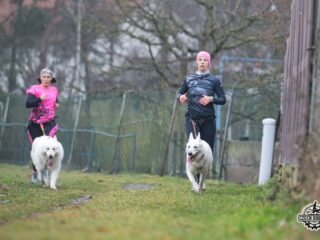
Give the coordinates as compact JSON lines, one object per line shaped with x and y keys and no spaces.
{"x":196,"y":85}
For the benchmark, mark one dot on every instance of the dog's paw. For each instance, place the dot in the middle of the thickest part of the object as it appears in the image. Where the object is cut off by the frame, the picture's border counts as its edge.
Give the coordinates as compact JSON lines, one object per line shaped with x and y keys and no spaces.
{"x":197,"y":191}
{"x":53,"y":187}
{"x":203,"y":188}
{"x":200,"y":190}
{"x":195,"y":188}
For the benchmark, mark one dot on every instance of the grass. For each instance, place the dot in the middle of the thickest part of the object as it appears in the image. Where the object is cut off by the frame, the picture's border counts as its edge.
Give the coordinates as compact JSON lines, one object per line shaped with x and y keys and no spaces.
{"x":169,"y":211}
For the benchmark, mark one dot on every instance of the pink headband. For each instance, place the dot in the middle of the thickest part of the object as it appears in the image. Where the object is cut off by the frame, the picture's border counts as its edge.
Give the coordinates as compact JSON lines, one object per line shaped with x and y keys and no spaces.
{"x":205,"y":55}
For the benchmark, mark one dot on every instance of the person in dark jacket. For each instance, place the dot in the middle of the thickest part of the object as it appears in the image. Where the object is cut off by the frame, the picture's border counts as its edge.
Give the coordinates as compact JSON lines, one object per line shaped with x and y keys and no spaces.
{"x":201,"y":91}
{"x":43,"y":99}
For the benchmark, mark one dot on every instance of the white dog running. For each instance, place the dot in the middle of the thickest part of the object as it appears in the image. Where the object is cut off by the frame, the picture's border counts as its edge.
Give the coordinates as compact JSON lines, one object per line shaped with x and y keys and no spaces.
{"x":199,"y":159}
{"x":46,"y":154}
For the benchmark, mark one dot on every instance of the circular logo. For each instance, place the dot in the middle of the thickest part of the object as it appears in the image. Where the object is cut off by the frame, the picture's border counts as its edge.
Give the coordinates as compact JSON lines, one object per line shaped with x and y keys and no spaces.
{"x":310,"y":216}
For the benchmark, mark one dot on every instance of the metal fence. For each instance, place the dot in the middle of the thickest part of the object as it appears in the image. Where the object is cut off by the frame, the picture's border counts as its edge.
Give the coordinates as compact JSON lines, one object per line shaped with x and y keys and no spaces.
{"x":104,"y":138}
{"x":125,"y":132}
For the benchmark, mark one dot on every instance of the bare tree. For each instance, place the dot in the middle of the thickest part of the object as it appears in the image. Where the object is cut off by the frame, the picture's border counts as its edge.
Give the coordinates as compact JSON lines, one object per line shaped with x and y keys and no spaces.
{"x":25,"y":33}
{"x":172,"y":36}
{"x":148,"y":41}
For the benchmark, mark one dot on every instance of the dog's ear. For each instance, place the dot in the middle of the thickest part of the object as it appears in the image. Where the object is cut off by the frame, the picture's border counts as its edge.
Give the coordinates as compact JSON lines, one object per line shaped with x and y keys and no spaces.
{"x":190,"y":136}
{"x":198,"y":137}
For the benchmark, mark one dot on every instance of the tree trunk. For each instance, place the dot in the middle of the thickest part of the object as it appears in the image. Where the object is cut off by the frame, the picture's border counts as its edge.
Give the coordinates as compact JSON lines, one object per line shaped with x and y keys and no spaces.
{"x":45,"y":41}
{"x":182,"y":73}
{"x":12,"y":72}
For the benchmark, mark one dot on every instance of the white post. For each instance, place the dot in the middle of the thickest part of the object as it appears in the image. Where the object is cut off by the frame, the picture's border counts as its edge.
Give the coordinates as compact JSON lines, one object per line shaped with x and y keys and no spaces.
{"x":267,"y":150}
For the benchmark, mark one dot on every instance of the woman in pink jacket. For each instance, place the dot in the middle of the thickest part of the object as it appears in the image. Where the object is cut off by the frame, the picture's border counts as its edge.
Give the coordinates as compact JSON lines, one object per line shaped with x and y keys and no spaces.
{"x":43,"y":99}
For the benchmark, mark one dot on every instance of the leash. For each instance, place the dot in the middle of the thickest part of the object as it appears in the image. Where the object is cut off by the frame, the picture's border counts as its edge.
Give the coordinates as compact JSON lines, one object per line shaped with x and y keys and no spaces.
{"x":194,"y":128}
{"x":42,"y":129}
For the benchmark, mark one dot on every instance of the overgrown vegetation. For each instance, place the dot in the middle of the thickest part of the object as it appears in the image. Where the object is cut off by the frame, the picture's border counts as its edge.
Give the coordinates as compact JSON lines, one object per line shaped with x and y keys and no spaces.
{"x":308,"y":177}
{"x":168,"y":211}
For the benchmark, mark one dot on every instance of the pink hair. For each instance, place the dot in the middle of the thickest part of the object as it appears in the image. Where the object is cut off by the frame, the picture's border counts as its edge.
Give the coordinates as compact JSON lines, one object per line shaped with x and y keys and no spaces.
{"x":205,"y":55}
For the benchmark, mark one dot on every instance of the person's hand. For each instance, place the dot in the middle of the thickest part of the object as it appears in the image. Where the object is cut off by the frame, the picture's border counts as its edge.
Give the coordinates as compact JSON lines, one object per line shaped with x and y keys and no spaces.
{"x":57,"y":105}
{"x":183,"y":98}
{"x":205,"y":100}
{"x":43,"y":97}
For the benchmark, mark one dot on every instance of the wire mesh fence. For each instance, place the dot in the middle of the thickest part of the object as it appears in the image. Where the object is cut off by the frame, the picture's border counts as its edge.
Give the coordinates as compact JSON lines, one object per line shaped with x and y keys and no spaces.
{"x":104,"y":140}
{"x":125,"y":131}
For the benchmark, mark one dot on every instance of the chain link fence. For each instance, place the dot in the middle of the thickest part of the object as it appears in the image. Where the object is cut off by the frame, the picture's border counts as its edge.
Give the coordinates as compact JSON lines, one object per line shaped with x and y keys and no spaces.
{"x":127,"y":131}
{"x":104,"y":139}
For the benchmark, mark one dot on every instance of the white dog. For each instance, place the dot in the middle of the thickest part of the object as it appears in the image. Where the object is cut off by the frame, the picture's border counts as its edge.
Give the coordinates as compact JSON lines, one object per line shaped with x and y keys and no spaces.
{"x":46,"y":154}
{"x":199,"y":159}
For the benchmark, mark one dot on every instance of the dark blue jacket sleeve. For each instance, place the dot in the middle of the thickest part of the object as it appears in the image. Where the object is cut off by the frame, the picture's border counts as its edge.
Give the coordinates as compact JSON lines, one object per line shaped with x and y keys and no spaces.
{"x":183,"y":89}
{"x":219,"y":98}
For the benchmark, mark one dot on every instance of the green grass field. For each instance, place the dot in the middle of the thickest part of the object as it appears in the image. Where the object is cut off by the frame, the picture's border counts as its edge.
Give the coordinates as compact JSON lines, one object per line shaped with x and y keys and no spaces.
{"x":168,"y":211}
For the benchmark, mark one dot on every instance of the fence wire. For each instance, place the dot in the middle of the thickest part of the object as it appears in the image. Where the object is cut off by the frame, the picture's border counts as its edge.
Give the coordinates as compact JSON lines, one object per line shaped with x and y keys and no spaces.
{"x":133,"y":142}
